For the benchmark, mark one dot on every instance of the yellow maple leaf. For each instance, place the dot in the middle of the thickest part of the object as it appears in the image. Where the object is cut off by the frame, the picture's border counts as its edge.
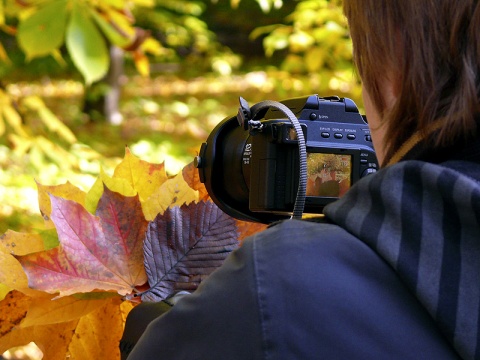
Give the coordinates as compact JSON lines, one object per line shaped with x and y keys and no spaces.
{"x":12,"y":275}
{"x":46,"y":311}
{"x":11,"y":272}
{"x":67,"y":191}
{"x":143,"y":176}
{"x":119,"y":185}
{"x":97,"y":335}
{"x":131,"y":176}
{"x":17,"y":243}
{"x":79,"y":329}
{"x":173,"y":192}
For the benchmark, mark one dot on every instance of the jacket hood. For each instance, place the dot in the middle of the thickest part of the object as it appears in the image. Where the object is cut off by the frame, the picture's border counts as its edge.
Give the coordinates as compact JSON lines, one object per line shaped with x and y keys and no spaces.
{"x":424,"y":220}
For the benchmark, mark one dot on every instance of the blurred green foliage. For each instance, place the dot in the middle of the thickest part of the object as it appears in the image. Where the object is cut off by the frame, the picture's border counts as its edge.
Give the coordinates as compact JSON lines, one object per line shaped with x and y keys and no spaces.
{"x":200,"y":54}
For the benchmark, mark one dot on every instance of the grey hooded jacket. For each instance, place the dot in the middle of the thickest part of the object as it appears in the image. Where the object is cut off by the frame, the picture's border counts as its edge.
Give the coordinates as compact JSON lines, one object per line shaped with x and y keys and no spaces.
{"x":392,"y":272}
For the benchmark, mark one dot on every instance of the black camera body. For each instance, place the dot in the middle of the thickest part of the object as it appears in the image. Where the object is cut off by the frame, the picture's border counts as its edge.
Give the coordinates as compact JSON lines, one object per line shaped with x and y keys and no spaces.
{"x":253,"y":174}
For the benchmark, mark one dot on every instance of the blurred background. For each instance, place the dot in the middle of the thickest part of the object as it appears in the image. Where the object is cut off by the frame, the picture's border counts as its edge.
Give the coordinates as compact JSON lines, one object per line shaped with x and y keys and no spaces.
{"x":83,"y":79}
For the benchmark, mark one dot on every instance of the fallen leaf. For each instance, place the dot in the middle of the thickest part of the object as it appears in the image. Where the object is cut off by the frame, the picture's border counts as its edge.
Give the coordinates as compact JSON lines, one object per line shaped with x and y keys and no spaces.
{"x":66,"y":191}
{"x":48,"y":311}
{"x":17,"y":243}
{"x":247,"y":228}
{"x":53,"y":340}
{"x":94,"y":335}
{"x":11,"y":272}
{"x":131,"y":176}
{"x":124,"y":227}
{"x":93,"y":249}
{"x":88,"y":258}
{"x":184,"y":245}
{"x":122,"y":186}
{"x":173,"y":192}
{"x":97,"y":335}
{"x":4,"y":290}
{"x":17,"y":305}
{"x":191,"y":176}
{"x":143,"y":176}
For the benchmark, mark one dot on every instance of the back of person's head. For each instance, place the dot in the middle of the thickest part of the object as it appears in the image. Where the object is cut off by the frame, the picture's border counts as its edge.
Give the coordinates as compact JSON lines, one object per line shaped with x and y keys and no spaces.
{"x":430,"y":49}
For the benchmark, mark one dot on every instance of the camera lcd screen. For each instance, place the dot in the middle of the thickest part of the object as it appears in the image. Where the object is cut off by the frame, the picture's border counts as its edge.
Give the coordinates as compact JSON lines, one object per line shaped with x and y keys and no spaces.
{"x":329,"y":175}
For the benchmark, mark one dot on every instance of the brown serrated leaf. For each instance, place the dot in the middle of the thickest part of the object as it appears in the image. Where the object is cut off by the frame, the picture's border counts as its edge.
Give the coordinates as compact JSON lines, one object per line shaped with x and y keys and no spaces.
{"x":185,"y":245}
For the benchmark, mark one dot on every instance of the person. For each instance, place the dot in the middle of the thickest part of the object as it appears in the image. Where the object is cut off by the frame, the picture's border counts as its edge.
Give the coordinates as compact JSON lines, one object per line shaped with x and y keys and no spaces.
{"x":393,"y":270}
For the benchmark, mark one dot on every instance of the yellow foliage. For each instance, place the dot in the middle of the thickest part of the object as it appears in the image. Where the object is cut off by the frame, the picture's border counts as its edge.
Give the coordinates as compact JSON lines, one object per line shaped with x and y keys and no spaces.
{"x":85,"y":323}
{"x":49,"y":119}
{"x":66,"y":191}
{"x":16,"y":243}
{"x":141,"y":175}
{"x":173,"y":192}
{"x":12,"y":275}
{"x":47,"y":311}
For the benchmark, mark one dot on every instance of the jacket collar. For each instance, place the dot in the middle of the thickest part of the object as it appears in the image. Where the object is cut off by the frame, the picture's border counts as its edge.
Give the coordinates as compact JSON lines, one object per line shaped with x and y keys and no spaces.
{"x":420,"y":147}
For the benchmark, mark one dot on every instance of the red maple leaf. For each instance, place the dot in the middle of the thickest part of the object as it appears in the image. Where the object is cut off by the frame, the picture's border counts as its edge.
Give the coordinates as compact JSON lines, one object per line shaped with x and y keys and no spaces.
{"x":101,"y":252}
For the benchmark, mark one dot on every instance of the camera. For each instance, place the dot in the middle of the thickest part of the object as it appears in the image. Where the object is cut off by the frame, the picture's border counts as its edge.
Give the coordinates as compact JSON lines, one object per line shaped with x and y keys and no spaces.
{"x":250,"y":163}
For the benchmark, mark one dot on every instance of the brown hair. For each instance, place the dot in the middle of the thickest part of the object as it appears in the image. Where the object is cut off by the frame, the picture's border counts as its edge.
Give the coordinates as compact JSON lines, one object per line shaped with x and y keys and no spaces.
{"x":433,"y":49}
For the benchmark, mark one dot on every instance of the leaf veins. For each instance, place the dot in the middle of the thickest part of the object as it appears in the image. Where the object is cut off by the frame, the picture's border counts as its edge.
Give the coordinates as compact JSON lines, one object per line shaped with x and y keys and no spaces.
{"x":184,"y":245}
{"x":96,"y":252}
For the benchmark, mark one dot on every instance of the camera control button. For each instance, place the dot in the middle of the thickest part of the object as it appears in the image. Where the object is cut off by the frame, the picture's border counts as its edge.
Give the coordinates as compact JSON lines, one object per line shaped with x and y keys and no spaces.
{"x":325,"y":135}
{"x":338,"y":136}
{"x":368,"y":138}
{"x":368,"y":172}
{"x":363,"y":161}
{"x":351,"y":136}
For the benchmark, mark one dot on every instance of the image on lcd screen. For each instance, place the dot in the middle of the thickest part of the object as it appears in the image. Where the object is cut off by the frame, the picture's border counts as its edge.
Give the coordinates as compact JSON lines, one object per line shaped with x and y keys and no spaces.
{"x":328,"y":174}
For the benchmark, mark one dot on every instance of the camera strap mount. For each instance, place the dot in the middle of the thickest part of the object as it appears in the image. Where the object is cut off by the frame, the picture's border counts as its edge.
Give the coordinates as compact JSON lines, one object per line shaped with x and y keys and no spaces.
{"x":247,"y":117}
{"x":255,"y":126}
